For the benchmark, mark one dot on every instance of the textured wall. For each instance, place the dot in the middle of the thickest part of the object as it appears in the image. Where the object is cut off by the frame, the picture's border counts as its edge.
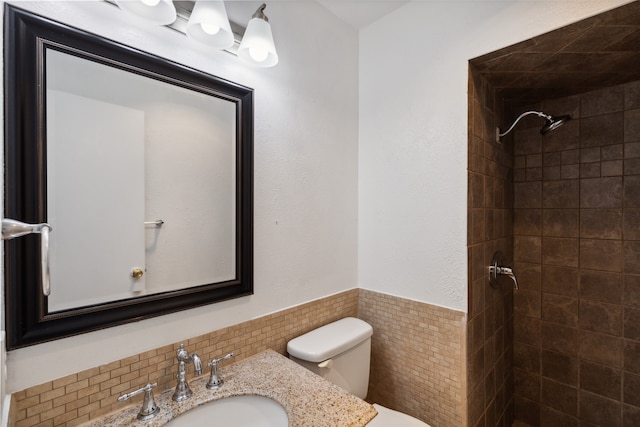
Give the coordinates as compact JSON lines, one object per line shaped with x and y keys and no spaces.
{"x":417,"y":361}
{"x":305,"y":196}
{"x":577,"y":247}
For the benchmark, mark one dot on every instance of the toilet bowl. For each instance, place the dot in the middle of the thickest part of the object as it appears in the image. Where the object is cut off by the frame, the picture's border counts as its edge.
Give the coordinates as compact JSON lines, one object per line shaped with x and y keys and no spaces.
{"x":341,"y":353}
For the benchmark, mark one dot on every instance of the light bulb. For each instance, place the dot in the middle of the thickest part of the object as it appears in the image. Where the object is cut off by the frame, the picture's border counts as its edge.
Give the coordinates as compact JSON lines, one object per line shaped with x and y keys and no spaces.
{"x":258,"y":53}
{"x":150,"y":2}
{"x":210,"y":29}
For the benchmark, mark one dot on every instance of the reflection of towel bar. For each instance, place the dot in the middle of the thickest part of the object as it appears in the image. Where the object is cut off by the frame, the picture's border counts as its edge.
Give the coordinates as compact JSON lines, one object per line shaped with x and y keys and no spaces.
{"x":12,"y":229}
{"x":157,"y":222}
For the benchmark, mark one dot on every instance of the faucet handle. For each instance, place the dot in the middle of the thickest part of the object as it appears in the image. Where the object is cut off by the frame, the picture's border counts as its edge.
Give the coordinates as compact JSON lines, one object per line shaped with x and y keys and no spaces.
{"x":215,"y":381}
{"x":149,"y":408}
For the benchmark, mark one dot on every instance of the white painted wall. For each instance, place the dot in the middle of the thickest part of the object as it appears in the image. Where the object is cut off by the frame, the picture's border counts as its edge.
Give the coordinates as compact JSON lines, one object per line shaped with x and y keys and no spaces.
{"x":305,"y":177}
{"x":413,"y":135}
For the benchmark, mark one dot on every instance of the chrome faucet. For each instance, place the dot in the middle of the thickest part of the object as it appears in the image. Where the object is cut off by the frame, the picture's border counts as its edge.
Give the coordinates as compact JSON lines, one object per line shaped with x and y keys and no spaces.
{"x":183,"y":391}
{"x":215,"y":381}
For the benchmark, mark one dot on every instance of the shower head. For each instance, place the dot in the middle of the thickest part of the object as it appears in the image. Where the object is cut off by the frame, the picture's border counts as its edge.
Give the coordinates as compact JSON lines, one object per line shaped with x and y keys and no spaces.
{"x":552,"y":123}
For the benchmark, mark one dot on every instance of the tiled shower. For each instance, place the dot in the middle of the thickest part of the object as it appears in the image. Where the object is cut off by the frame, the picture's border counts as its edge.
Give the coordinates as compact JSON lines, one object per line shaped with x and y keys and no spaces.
{"x":564,"y":350}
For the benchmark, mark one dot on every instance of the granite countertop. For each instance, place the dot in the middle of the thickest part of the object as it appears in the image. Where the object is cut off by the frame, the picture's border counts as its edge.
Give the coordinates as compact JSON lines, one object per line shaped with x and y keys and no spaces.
{"x":308,"y":399}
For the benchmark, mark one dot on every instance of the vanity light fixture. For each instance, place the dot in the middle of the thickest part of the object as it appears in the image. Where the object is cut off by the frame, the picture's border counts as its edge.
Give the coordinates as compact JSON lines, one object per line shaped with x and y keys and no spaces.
{"x":210,"y":25}
{"x":160,"y":12}
{"x":257,"y":47}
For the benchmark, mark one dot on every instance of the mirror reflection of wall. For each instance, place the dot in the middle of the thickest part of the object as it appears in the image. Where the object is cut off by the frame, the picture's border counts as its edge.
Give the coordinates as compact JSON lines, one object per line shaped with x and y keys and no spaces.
{"x":124,"y":149}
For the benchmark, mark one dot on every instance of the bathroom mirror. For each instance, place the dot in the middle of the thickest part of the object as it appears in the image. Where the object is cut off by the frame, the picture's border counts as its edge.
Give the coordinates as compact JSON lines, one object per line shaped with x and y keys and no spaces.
{"x":142,"y":167}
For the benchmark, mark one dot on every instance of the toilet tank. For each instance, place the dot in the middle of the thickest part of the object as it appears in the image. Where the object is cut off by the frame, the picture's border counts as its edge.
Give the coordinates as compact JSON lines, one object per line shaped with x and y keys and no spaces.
{"x":339,"y":352}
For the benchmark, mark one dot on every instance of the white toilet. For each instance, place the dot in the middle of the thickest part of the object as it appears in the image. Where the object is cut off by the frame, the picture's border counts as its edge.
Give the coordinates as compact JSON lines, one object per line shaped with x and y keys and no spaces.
{"x":341,"y":353}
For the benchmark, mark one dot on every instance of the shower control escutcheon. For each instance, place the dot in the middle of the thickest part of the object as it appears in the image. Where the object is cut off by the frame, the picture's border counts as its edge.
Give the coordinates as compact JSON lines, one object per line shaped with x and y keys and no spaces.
{"x":496,"y":268}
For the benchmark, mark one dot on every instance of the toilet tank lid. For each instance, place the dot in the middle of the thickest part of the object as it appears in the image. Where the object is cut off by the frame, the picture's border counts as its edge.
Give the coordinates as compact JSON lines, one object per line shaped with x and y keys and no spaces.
{"x":330,"y":340}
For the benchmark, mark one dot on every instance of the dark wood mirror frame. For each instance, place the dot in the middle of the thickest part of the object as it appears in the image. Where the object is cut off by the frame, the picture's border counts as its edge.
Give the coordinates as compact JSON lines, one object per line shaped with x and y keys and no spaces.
{"x":25,"y":40}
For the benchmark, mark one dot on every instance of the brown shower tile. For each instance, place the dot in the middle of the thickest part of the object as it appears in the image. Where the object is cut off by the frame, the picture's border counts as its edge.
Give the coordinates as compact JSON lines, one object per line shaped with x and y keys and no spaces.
{"x":551,"y":418}
{"x":632,"y":96}
{"x":612,"y":152}
{"x":589,"y":170}
{"x":601,"y":254}
{"x":590,"y":155}
{"x":599,"y":410}
{"x":632,"y":290}
{"x":631,"y":353}
{"x":551,"y":173}
{"x":559,"y":367}
{"x":559,"y":396}
{"x":476,"y":190}
{"x":632,"y":125}
{"x":601,"y":317}
{"x":565,"y":138}
{"x":601,"y":286}
{"x":527,"y":303}
{"x":600,"y":130}
{"x":475,"y":405}
{"x":632,"y":257}
{"x":607,"y":100}
{"x":527,"y":384}
{"x":601,"y":192}
{"x":527,"y":248}
{"x":632,"y":191}
{"x":632,"y":167}
{"x":475,"y":369}
{"x":534,"y":174}
{"x":475,"y":334}
{"x":570,"y":171}
{"x":527,"y":222}
{"x":527,"y":195}
{"x":526,"y":357}
{"x":560,"y":309}
{"x":630,"y":416}
{"x":560,"y":222}
{"x":561,"y":339}
{"x":632,"y":323}
{"x":476,"y":226}
{"x":601,"y":223}
{"x":534,"y":160}
{"x":631,"y":391}
{"x":611,"y":168}
{"x":632,"y":150}
{"x":520,"y":162}
{"x":526,"y":330}
{"x":519,"y":175}
{"x":527,"y":411}
{"x":560,"y":194}
{"x":476,"y":296}
{"x":602,"y":380}
{"x":631,"y":224}
{"x":552,"y":159}
{"x":527,"y":141}
{"x":529,"y":275}
{"x":570,"y":157}
{"x":560,"y":280}
{"x":600,"y":348}
{"x":560,"y":251}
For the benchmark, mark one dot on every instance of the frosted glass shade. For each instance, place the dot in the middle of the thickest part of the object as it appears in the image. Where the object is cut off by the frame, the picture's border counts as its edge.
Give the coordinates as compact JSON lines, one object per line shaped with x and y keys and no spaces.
{"x":161,"y":12}
{"x":257,"y":47}
{"x":209,"y":24}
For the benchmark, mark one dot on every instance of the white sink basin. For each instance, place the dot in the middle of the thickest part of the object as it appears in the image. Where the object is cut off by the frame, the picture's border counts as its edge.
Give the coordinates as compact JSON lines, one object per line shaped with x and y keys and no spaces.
{"x":236,"y":411}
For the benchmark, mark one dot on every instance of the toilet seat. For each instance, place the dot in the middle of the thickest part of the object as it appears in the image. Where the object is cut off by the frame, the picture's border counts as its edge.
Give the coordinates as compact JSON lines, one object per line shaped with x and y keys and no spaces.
{"x":389,"y":418}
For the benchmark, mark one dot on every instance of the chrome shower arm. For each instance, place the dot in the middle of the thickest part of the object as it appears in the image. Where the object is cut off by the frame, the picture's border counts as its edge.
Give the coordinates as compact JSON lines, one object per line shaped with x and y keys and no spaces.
{"x":538,"y":113}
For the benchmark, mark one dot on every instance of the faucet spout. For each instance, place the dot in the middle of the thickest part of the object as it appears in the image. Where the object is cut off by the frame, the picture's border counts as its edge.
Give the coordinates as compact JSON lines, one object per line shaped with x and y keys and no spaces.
{"x":183,"y":391}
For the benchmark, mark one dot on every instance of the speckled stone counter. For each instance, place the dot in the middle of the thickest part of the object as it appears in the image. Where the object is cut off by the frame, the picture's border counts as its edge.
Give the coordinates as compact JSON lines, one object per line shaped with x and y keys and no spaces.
{"x":308,"y":399}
